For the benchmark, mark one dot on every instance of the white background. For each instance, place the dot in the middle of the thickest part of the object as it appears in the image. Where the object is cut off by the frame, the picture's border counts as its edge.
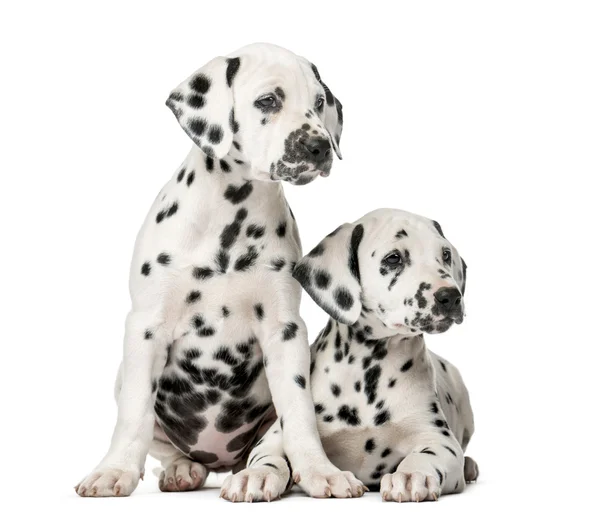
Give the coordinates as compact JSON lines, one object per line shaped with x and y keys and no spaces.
{"x":482,"y":115}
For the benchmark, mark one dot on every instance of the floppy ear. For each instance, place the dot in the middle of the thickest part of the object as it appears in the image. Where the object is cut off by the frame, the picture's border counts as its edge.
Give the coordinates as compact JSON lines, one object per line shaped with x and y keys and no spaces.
{"x":463,"y":281}
{"x":330,"y":273}
{"x":331,"y":114}
{"x":203,"y":105}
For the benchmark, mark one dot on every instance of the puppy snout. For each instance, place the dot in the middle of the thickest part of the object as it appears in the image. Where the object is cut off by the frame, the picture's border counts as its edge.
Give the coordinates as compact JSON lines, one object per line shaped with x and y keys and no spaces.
{"x":448,"y":300}
{"x":316,"y":148}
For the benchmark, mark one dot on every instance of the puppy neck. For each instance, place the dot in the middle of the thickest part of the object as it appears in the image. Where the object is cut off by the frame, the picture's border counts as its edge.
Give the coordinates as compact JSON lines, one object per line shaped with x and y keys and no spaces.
{"x":231,"y":167}
{"x":372,"y":326}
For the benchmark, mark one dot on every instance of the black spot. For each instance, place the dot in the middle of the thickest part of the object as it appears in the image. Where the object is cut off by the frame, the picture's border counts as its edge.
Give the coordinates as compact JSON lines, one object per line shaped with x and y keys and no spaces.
{"x":200,"y":83}
{"x":281,"y":228}
{"x":233,"y":124}
{"x":224,"y":355}
{"x":426,"y":450}
{"x":204,"y":457}
{"x":181,"y":175}
{"x":317,"y":251}
{"x":401,"y":234}
{"x":278,"y":264}
{"x":233,"y":65}
{"x":357,"y":386}
{"x":322,"y":279}
{"x":192,"y":297}
{"x":336,"y":390}
{"x":381,"y":417}
{"x":343,"y":298}
{"x":450,"y":450}
{"x":440,"y":476}
{"x":163,"y":258}
{"x":371,"y":382}
{"x":197,"y":125}
{"x":289,"y":332}
{"x":148,"y":335}
{"x":237,"y":194}
{"x":202,"y":272}
{"x":439,"y":423}
{"x":215,"y":134}
{"x":210,"y":163}
{"x":328,"y":418}
{"x":392,"y":382}
{"x":349,"y":415}
{"x":225,"y":311}
{"x":146,"y":269}
{"x":190,"y":178}
{"x":406,"y":366}
{"x":434,"y":407}
{"x":224,"y":166}
{"x":438,"y":228}
{"x":245,"y":261}
{"x":259,"y":311}
{"x":302,"y":274}
{"x":196,"y":101}
{"x":300,"y":380}
{"x":443,"y":366}
{"x":357,"y":235}
{"x":255,"y":231}
{"x":370,"y":445}
{"x":222,"y":261}
{"x":386,"y":452}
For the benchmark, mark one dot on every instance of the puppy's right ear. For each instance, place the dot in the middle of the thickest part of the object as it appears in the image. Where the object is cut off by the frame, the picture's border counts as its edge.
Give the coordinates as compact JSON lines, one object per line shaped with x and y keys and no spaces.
{"x":330,"y":273}
{"x":203,"y":105}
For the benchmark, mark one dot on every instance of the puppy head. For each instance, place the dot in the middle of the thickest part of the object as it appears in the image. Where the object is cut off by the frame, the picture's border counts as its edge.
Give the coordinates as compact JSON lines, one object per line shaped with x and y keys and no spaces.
{"x":391,"y":264}
{"x":271,"y":105}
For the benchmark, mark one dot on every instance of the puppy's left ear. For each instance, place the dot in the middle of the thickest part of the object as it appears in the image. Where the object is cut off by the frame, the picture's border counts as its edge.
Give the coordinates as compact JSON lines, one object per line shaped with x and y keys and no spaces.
{"x":203,"y":105}
{"x":330,"y":273}
{"x":331,"y":114}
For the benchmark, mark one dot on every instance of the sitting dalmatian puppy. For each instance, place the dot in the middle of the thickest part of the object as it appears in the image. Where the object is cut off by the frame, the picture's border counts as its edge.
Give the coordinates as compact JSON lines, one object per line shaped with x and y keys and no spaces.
{"x":214,"y":340}
{"x":390,"y":411}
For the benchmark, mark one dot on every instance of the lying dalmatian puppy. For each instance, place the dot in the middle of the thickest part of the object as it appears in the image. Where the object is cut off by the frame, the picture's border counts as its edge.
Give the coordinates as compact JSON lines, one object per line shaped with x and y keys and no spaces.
{"x":214,"y":340}
{"x":390,"y":411}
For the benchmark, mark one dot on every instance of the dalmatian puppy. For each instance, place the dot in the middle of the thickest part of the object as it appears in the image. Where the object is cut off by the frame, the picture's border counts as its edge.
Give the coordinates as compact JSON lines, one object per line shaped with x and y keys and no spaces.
{"x":214,"y":339}
{"x":389,"y":411}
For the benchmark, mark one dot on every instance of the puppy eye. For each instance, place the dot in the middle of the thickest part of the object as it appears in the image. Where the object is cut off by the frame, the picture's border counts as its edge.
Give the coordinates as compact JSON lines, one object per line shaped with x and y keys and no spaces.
{"x":266,"y":101}
{"x":393,"y":259}
{"x":447,"y":256}
{"x":319,"y":103}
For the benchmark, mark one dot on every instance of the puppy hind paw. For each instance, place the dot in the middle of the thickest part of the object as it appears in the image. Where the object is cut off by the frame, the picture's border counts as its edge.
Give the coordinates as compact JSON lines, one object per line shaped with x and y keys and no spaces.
{"x":182,"y":475}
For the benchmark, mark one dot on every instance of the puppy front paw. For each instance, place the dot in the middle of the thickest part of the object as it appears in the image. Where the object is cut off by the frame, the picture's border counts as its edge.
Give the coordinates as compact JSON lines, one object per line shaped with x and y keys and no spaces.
{"x":410,"y":486}
{"x":109,"y":482}
{"x":261,"y":483}
{"x":328,"y":482}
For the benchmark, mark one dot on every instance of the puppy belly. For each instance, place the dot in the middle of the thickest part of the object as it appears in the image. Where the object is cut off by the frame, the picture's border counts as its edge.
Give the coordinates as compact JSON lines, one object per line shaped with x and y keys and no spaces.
{"x":213,"y":398}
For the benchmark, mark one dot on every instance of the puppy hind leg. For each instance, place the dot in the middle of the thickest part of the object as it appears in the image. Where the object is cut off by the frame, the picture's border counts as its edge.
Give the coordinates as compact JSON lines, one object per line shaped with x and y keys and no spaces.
{"x":179,"y":473}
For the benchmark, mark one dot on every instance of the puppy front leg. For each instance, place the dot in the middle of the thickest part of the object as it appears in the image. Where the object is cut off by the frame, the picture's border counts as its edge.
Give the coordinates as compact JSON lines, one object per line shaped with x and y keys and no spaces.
{"x":121,"y":468}
{"x":268,"y":474}
{"x":287,"y":365}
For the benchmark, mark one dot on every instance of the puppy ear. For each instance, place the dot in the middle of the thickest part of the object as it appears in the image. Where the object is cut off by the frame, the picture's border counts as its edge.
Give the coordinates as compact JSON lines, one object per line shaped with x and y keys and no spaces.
{"x":331,"y":114}
{"x":330,"y":273}
{"x":463,"y":281}
{"x":203,"y":105}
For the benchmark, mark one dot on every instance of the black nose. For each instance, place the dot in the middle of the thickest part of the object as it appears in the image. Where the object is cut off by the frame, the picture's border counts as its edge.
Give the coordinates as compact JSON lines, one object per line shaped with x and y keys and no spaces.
{"x":448,"y":299}
{"x":318,"y":148}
